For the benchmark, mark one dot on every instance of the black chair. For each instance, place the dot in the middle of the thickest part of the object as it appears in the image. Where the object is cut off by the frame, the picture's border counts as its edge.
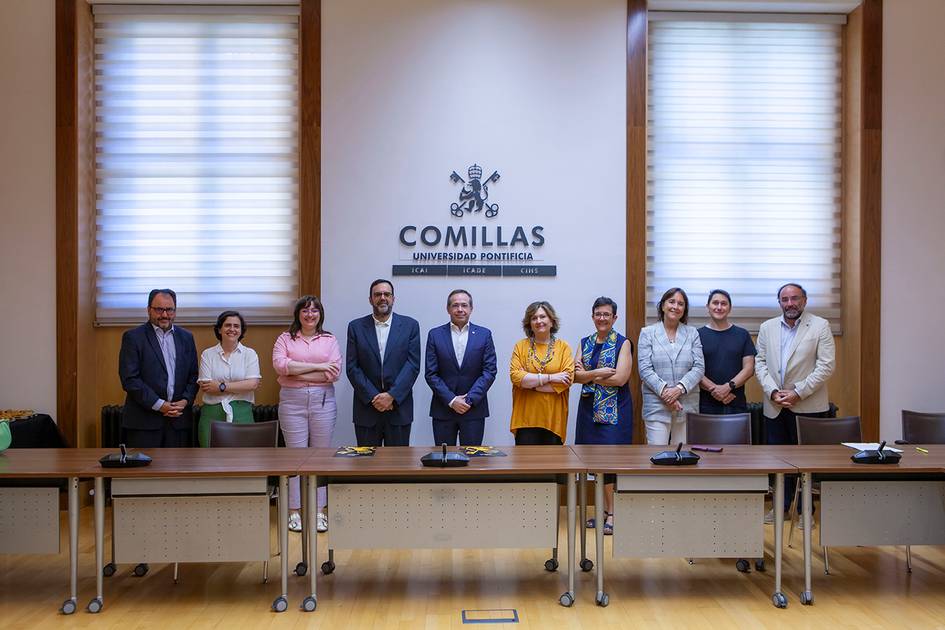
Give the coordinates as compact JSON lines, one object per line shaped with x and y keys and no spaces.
{"x":228,"y":434}
{"x":711,"y":429}
{"x":703,"y":428}
{"x":823,"y":431}
{"x":923,"y":428}
{"x":828,"y":430}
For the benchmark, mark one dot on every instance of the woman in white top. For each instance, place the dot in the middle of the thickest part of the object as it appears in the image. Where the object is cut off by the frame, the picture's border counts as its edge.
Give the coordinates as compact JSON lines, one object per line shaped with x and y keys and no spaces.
{"x":229,"y":374}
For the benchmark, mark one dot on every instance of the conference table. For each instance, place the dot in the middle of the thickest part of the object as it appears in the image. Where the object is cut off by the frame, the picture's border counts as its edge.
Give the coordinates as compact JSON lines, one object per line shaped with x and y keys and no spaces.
{"x":29,"y":522}
{"x":870,"y":504}
{"x":176,"y":488}
{"x":475,"y":506}
{"x":712,"y":509}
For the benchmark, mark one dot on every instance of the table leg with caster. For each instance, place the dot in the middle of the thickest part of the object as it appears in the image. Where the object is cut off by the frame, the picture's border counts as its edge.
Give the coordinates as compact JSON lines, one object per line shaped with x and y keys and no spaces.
{"x":302,"y":567}
{"x":586,"y":564}
{"x":602,"y":598}
{"x":328,"y":567}
{"x":281,"y":603}
{"x":779,"y":599}
{"x":311,"y":602}
{"x":69,"y":606}
{"x":96,"y":604}
{"x":567,"y":599}
{"x":807,"y":482}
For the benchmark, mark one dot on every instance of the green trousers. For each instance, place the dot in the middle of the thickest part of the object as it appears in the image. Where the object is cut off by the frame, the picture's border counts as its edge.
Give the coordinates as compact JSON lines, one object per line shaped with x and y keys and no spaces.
{"x":242,"y":414}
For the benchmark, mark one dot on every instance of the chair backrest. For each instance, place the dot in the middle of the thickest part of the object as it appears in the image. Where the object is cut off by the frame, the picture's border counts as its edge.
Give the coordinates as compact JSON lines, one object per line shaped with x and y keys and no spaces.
{"x":226,"y":434}
{"x":703,"y":428}
{"x":923,"y":428}
{"x":828,"y":430}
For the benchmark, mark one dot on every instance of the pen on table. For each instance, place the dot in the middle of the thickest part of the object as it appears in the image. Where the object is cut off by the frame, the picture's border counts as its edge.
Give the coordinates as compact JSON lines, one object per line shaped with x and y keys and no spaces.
{"x":922,"y":450}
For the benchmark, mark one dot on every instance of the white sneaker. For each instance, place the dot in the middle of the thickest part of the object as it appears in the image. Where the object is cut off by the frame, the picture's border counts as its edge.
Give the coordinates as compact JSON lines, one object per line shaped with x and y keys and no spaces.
{"x":295,"y":522}
{"x":321,"y":522}
{"x":769,"y":517}
{"x":800,"y":523}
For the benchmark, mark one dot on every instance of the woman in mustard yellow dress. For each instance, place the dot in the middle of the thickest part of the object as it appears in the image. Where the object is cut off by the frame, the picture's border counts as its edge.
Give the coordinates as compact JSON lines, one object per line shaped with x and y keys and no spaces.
{"x":541,"y":369}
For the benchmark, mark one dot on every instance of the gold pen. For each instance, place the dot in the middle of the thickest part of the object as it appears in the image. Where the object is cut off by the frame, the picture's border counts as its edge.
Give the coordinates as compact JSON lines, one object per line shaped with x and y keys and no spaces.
{"x":922,"y":450}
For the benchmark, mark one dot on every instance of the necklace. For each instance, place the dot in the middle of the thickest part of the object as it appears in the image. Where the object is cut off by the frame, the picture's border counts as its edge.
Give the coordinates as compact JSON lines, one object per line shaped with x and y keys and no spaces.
{"x":532,"y":355}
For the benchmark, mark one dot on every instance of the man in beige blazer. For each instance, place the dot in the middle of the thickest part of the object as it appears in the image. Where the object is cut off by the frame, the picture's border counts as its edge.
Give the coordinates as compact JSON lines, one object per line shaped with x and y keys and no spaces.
{"x":796,"y":356}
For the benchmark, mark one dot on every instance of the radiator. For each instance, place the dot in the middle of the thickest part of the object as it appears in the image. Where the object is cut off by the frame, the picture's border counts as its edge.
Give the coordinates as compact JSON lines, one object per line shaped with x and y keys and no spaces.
{"x":112,"y":434}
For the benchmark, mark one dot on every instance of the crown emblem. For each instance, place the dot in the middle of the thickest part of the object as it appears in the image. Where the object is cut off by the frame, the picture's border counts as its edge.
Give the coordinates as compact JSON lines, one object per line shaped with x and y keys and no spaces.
{"x":475,"y":172}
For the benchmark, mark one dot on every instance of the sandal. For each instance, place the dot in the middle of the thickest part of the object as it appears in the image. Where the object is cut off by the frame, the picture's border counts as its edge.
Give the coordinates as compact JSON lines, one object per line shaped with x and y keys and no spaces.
{"x":591,"y":523}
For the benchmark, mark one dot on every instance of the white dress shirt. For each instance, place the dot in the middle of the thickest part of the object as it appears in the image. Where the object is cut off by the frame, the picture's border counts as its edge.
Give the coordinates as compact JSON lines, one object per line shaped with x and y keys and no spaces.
{"x":460,"y":338}
{"x":242,"y":364}
{"x":383,"y":331}
{"x":169,"y":350}
{"x":788,"y":333}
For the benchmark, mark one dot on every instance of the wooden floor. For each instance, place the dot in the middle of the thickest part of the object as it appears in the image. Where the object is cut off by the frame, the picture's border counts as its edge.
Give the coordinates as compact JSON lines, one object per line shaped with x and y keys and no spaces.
{"x":867,"y":588}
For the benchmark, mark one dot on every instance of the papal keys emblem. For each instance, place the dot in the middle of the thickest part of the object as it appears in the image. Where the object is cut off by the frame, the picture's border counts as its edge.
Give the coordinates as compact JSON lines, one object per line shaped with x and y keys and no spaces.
{"x":475,"y":192}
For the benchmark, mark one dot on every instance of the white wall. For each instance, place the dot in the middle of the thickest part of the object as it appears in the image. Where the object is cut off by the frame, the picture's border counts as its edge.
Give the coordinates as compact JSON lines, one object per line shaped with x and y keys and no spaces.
{"x":913,"y":346}
{"x":417,"y":88}
{"x":27,"y":205}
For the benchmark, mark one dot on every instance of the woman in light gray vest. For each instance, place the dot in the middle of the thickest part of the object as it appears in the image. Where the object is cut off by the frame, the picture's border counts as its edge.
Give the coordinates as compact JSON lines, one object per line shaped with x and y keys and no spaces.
{"x":671,"y":365}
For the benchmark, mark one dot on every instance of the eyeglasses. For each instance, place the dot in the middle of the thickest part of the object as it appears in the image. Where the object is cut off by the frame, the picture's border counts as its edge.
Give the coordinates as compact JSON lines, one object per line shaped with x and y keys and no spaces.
{"x":309,"y":311}
{"x":164,"y":311}
{"x":602,"y":315}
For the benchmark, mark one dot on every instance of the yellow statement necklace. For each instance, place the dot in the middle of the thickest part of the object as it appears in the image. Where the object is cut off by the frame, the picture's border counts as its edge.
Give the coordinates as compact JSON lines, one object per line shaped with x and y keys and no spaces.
{"x":533,"y":355}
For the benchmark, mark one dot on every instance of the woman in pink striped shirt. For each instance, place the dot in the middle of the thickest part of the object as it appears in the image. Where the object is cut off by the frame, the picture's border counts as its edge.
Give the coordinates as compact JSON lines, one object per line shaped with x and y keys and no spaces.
{"x":307,"y":360}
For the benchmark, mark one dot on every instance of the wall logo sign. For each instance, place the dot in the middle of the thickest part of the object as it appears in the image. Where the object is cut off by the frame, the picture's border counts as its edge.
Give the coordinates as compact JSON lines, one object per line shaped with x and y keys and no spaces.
{"x":472,"y":250}
{"x":473,"y":195}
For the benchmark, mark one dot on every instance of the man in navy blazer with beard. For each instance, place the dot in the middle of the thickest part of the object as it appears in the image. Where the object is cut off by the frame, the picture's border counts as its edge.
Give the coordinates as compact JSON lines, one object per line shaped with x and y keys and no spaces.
{"x":383,"y":362}
{"x":461,"y":367}
{"x":158,"y":369}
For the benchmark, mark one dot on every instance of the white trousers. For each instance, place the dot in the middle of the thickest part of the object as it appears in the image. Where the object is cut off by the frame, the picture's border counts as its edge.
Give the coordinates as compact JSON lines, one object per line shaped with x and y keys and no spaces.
{"x":667,"y":433}
{"x":307,"y":416}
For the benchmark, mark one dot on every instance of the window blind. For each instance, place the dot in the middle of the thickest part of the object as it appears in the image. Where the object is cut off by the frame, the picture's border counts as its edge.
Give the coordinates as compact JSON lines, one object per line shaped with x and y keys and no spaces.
{"x":744,"y":161}
{"x":196,"y":160}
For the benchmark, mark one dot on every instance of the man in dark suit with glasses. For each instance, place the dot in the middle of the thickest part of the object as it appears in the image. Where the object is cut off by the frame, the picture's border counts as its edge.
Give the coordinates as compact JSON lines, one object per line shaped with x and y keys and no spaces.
{"x":158,"y":369}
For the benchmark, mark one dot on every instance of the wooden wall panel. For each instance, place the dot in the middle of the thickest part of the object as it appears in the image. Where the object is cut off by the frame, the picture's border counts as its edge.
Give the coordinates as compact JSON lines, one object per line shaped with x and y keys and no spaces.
{"x":66,"y":218}
{"x":849,"y":353}
{"x":310,"y":134}
{"x":636,"y":188}
{"x":871,"y":95}
{"x":86,"y":413}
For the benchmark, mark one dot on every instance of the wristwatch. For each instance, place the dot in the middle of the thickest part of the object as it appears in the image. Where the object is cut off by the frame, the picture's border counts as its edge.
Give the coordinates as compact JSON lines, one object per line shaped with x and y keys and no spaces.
{"x":732,"y":386}
{"x":222,"y":386}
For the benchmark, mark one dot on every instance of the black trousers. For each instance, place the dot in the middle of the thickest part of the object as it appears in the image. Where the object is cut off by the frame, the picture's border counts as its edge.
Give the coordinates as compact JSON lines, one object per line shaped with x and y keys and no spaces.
{"x":165,"y":437}
{"x":469,"y":432}
{"x":383,"y":434}
{"x":783,"y":430}
{"x":531,"y":436}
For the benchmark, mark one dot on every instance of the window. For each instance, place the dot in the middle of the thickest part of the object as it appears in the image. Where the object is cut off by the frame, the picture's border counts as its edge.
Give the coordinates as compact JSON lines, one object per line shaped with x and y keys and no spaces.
{"x":744,"y":166}
{"x":196,"y":158}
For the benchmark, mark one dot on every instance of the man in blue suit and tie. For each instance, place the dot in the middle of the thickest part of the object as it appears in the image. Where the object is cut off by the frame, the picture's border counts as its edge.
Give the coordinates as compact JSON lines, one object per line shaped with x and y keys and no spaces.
{"x":158,"y":369}
{"x":461,"y":368}
{"x":383,"y":362}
